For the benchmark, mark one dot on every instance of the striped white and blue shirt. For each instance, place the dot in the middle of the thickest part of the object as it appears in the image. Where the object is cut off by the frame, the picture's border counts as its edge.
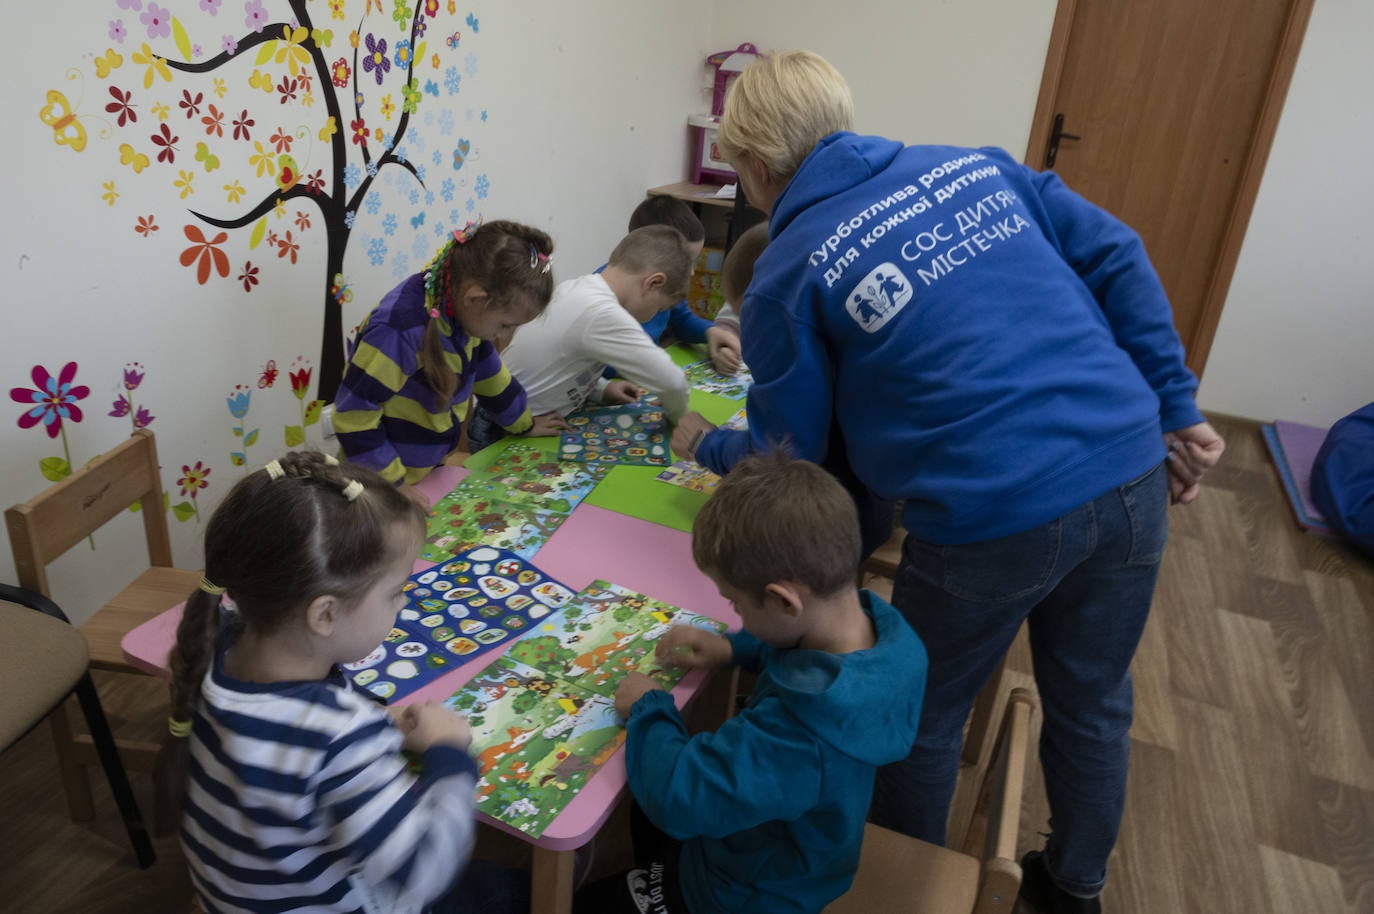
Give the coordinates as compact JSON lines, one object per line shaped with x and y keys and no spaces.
{"x":299,"y":800}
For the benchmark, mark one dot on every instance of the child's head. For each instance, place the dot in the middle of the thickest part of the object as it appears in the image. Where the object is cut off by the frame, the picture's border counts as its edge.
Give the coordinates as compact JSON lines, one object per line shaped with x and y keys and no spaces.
{"x":737,"y":271}
{"x":777,"y":527}
{"x":674,"y":213}
{"x":308,"y":550}
{"x":487,"y":280}
{"x":656,"y":263}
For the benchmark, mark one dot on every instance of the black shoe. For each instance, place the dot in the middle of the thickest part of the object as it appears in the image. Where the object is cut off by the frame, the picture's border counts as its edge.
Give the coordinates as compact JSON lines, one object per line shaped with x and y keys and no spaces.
{"x":1039,"y":891}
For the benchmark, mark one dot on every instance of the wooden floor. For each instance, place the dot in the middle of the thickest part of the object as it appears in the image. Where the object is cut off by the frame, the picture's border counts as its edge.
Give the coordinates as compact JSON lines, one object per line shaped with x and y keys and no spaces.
{"x":1252,"y":774}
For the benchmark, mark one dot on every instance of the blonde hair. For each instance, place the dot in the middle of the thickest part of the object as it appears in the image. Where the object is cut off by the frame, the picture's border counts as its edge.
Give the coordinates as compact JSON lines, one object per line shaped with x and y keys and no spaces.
{"x":781,"y":106}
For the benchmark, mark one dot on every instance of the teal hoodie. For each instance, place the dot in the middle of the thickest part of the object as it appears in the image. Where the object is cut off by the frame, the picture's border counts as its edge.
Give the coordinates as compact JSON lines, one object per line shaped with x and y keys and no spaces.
{"x":771,"y":806}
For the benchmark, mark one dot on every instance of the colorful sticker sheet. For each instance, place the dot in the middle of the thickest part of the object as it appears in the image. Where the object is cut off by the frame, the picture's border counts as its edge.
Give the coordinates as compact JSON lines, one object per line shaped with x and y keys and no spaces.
{"x":481,"y":599}
{"x":543,"y":714}
{"x":635,"y":434}
{"x":703,"y":376}
{"x":688,"y":474}
{"x":515,"y":504}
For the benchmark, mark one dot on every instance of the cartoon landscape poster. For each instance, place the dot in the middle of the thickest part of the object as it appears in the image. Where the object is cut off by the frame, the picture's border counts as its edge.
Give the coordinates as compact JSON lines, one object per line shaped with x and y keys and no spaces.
{"x":543,"y":714}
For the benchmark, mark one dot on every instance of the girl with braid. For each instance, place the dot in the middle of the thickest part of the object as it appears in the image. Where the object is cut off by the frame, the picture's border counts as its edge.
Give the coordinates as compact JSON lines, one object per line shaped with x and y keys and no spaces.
{"x":430,"y":344}
{"x":288,"y":783}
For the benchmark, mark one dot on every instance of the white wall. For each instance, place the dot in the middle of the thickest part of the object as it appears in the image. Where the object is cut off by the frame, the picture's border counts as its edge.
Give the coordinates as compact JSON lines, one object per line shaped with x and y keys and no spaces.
{"x":925,"y":71}
{"x":1296,"y":339}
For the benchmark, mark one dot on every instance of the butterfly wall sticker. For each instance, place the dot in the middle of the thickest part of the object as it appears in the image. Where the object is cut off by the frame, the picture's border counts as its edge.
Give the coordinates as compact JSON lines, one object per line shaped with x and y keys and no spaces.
{"x":109,"y":62}
{"x":133,"y":158}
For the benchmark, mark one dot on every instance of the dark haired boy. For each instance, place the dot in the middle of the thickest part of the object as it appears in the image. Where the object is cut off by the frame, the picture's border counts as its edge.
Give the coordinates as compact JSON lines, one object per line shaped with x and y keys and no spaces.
{"x":767,"y":813}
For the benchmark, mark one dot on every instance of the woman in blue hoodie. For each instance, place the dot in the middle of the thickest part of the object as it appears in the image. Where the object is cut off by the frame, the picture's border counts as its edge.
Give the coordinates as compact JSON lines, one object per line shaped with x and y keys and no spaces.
{"x":1000,"y":355}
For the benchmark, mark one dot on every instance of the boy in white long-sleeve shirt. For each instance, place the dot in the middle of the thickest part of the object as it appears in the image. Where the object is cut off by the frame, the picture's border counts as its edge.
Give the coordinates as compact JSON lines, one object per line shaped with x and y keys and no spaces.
{"x":594,"y":321}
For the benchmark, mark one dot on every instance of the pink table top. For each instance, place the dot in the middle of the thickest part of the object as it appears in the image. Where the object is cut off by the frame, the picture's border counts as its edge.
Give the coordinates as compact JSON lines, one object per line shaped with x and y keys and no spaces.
{"x":592,"y":543}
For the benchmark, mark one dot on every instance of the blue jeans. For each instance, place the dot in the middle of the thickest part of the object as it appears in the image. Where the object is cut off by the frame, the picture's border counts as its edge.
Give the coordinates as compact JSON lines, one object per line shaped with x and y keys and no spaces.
{"x":1084,"y":584}
{"x":482,"y":430}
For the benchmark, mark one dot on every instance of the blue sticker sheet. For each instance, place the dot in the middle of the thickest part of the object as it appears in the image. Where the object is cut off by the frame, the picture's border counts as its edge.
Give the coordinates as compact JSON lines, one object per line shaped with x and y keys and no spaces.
{"x":483,"y":598}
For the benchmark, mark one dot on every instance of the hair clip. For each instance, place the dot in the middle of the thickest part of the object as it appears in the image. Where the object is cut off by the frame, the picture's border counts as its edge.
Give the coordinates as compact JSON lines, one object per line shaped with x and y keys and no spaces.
{"x":213,"y":590}
{"x":274,"y":469}
{"x":464,"y":234}
{"x":180,"y":729}
{"x":353,"y":489}
{"x":433,"y":313}
{"x":330,"y":460}
{"x":537,"y":257}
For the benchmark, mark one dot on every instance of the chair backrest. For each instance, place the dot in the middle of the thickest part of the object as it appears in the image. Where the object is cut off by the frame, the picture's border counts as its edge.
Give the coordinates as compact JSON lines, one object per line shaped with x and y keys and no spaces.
{"x":47,"y":525}
{"x":992,"y":832}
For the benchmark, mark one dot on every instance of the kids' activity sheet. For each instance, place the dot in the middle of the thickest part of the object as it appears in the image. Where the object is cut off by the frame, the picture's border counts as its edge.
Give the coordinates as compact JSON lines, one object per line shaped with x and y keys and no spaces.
{"x":632,"y":434}
{"x":481,"y":599}
{"x":543,"y":714}
{"x":688,"y":474}
{"x":515,"y":503}
{"x":704,"y":377}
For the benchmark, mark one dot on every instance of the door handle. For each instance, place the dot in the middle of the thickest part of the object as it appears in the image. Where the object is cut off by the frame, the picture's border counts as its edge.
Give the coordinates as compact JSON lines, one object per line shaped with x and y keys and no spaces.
{"x":1056,"y":135}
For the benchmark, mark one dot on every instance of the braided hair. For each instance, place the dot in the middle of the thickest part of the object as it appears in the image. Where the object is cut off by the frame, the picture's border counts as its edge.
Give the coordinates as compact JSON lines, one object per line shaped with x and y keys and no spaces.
{"x":506,"y":259}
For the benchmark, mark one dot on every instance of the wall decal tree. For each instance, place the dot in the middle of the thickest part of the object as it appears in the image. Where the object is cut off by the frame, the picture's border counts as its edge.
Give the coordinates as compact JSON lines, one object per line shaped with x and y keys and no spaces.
{"x":359,"y":93}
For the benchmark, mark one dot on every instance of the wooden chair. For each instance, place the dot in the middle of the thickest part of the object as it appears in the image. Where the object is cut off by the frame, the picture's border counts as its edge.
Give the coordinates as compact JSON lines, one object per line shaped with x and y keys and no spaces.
{"x":902,"y":875}
{"x":50,"y":664}
{"x":46,"y":526}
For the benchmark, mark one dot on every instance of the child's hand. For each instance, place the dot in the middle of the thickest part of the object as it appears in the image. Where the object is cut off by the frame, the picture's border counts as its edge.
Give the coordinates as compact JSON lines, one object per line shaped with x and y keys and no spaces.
{"x":687,"y":434}
{"x":618,"y":392}
{"x":415,"y":495}
{"x":631,"y":689}
{"x":431,"y":724}
{"x":546,"y":424}
{"x":724,"y":349}
{"x":690,"y":647}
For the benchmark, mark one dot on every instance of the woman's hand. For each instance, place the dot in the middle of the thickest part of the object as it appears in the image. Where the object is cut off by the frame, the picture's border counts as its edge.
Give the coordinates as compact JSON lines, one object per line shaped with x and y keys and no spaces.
{"x":1192,"y":452}
{"x":687,"y":434}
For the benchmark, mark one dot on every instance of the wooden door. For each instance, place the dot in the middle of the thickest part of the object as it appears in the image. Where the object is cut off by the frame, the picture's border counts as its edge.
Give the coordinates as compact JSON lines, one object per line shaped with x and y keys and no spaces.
{"x":1174,"y":104}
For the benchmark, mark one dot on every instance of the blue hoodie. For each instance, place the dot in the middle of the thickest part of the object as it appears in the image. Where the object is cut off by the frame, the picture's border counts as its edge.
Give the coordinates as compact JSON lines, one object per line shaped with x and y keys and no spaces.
{"x":770,"y":808}
{"x":996,"y":349}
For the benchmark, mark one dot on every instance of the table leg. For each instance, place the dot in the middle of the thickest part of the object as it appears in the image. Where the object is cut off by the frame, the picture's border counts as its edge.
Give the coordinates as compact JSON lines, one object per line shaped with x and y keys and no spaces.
{"x":551,"y":882}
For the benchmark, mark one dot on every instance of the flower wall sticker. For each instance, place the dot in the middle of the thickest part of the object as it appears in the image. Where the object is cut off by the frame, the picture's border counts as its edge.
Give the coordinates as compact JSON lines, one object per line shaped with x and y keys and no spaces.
{"x":284,"y":116}
{"x":52,"y":402}
{"x":192,"y":480}
{"x":124,"y":400}
{"x":310,"y":412}
{"x":239,"y":399}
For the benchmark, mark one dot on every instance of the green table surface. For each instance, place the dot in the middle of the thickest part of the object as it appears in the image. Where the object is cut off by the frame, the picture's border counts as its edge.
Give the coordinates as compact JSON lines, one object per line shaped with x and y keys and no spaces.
{"x":637,"y":491}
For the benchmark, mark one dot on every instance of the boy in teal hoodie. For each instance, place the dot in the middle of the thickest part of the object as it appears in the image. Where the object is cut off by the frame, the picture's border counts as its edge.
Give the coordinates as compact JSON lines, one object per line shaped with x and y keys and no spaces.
{"x":767,"y":813}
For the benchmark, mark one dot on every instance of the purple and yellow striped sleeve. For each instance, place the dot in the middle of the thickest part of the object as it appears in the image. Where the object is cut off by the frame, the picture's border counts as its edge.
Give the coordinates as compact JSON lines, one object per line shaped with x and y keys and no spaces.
{"x":373,"y":377}
{"x":499,"y":392}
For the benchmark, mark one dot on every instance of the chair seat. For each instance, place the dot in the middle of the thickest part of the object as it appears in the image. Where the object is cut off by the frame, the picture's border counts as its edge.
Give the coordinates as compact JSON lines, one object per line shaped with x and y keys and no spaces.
{"x":44,"y":660}
{"x":886,"y":557}
{"x":901,"y":875}
{"x":152,"y":593}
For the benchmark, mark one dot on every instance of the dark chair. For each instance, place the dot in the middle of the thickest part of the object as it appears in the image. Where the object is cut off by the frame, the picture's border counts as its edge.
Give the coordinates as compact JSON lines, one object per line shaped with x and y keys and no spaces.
{"x":51,"y":663}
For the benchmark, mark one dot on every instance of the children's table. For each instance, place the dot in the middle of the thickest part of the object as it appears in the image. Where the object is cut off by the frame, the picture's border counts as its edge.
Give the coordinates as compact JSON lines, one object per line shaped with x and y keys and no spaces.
{"x":594,"y":542}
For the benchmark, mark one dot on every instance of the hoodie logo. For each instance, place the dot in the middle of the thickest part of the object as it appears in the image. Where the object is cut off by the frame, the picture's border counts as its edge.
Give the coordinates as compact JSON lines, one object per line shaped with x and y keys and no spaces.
{"x":878,"y":297}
